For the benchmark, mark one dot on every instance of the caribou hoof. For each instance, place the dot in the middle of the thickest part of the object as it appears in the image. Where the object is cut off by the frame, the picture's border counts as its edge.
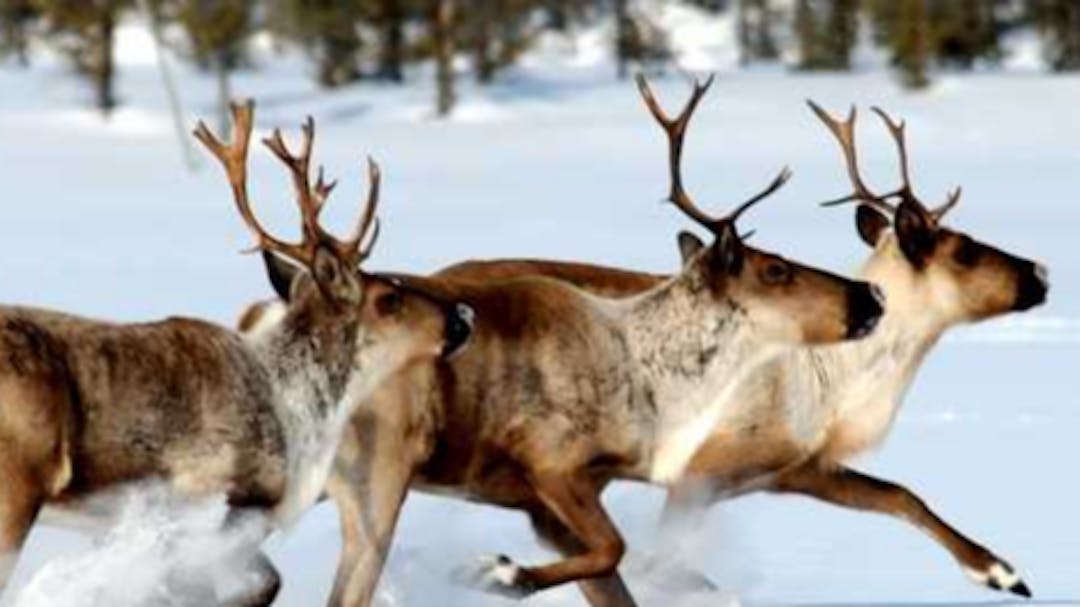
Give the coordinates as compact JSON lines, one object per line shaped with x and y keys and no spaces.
{"x":1002,"y":577}
{"x":496,"y":575}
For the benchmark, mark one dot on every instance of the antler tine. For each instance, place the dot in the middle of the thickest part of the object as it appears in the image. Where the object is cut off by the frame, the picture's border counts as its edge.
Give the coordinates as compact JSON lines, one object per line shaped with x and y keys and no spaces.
{"x":778,"y":182}
{"x":844,"y":133}
{"x":353,"y":246}
{"x":676,"y":130}
{"x":323,"y":189}
{"x":950,"y":202}
{"x":300,"y":168}
{"x":365,"y":251}
{"x":896,"y":129}
{"x":233,"y":158}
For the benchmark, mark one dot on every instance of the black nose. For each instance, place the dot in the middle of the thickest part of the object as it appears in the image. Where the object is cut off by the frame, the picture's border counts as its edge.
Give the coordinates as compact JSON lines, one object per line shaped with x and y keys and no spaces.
{"x":459,"y":326}
{"x":1033,"y":287}
{"x":865,"y":307}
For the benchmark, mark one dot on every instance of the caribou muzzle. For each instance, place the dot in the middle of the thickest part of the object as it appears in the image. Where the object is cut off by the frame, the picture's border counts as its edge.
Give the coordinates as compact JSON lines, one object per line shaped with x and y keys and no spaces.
{"x":1034,"y":285}
{"x":865,"y":307}
{"x":459,"y":326}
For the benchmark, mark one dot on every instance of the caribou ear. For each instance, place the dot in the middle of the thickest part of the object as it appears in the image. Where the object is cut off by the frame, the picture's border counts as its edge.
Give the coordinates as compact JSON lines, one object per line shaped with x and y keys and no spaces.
{"x":281,"y":273}
{"x":916,"y":233}
{"x":729,"y":251}
{"x":689,"y":245}
{"x":336,"y":280}
{"x":870,"y":223}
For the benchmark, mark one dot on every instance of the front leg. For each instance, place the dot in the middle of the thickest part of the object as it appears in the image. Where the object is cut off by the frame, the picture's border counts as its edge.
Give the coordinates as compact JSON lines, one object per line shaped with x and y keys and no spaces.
{"x":608,"y":591}
{"x":574,"y":501}
{"x":846,"y":487}
{"x":369,"y":485}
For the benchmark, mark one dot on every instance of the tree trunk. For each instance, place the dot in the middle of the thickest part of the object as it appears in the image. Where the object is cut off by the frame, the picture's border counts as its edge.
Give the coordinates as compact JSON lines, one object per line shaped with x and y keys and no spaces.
{"x":622,"y":38}
{"x":807,"y":32}
{"x":742,"y":31}
{"x":484,"y":65}
{"x":913,"y":44}
{"x":104,"y":68}
{"x":443,"y":30}
{"x":224,"y":90}
{"x":392,"y":48}
{"x":558,"y":17}
{"x":841,"y":34}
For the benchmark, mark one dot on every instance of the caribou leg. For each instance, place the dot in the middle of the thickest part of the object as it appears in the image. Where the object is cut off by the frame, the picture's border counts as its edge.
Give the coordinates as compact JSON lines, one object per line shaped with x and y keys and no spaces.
{"x":20,"y":502}
{"x":608,"y":591}
{"x":574,"y":501}
{"x":846,"y":487}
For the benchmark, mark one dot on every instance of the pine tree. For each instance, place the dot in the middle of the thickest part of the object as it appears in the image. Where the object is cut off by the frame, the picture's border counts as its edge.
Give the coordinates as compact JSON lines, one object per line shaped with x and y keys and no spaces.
{"x":442,"y":22}
{"x":965,"y":31}
{"x":624,"y":38}
{"x":911,"y":43}
{"x":482,"y":20}
{"x":328,"y":29}
{"x":755,"y":23}
{"x":1058,"y":22}
{"x":217,"y":32}
{"x":390,"y":18}
{"x":826,"y":30}
{"x":85,"y":30}
{"x":841,"y":33}
{"x":15,"y":19}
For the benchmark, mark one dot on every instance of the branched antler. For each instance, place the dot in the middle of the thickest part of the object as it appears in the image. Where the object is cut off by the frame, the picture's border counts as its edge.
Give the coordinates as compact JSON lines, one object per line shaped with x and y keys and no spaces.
{"x":675,"y":128}
{"x":311,"y":198}
{"x":896,"y":129}
{"x":844,"y":133}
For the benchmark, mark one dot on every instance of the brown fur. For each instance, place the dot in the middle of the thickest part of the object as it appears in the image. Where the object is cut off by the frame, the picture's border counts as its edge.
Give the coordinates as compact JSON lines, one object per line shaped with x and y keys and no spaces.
{"x":455,"y":449}
{"x":538,"y":413}
{"x":87,"y":406}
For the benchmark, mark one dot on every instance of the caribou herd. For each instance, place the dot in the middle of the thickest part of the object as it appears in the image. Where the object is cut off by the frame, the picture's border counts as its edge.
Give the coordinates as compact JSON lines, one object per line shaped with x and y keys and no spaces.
{"x":523,"y":383}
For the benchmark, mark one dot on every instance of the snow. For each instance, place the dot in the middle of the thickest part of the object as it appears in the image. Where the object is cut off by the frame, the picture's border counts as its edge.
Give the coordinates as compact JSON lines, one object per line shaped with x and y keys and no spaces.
{"x":560,"y":160}
{"x":158,"y":545}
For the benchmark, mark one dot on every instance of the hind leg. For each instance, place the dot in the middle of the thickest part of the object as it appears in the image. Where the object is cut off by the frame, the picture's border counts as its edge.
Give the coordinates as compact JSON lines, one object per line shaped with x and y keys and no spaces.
{"x":20,"y":501}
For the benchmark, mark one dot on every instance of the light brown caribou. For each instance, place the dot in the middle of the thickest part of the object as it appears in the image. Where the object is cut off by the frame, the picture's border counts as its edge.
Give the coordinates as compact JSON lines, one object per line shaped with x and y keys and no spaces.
{"x":87,"y":406}
{"x":563,"y":390}
{"x":792,"y":425}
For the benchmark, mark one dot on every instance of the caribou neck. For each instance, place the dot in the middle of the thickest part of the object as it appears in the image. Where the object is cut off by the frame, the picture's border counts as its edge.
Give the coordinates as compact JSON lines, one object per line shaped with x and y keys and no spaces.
{"x":312,"y":380}
{"x":689,"y":347}
{"x":864,"y":382}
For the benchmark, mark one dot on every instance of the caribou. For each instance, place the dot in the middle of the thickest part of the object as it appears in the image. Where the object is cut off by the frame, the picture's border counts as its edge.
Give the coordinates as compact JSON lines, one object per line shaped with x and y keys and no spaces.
{"x":89,"y":406}
{"x":563,"y":390}
{"x":795,"y":422}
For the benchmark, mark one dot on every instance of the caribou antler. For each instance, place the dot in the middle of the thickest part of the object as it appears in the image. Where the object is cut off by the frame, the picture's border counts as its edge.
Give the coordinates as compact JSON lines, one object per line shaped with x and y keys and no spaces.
{"x":896,"y":129}
{"x":676,"y":132}
{"x":309,"y":197}
{"x":844,"y":133}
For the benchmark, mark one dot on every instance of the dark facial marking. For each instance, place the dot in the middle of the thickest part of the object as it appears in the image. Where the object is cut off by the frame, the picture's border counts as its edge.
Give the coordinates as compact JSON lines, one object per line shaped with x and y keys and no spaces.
{"x":968,"y":252}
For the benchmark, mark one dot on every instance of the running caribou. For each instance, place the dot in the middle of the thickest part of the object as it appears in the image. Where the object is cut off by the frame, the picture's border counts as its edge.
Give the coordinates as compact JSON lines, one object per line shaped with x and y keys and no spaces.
{"x":563,"y":390}
{"x":88,"y":406}
{"x":793,"y":425}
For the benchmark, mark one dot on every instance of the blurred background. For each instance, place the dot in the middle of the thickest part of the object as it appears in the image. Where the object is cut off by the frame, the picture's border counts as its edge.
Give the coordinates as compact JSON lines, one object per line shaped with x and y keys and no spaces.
{"x":512,"y":128}
{"x":354,"y":41}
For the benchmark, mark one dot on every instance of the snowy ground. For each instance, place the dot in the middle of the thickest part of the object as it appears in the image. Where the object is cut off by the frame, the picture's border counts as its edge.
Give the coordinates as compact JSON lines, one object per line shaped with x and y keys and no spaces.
{"x":104,"y":219}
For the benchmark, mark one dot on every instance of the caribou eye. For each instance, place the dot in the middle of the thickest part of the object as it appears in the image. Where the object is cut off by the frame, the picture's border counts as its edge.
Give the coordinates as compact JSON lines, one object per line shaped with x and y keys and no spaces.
{"x":776,"y":273}
{"x":388,"y":303}
{"x":968,"y":253}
